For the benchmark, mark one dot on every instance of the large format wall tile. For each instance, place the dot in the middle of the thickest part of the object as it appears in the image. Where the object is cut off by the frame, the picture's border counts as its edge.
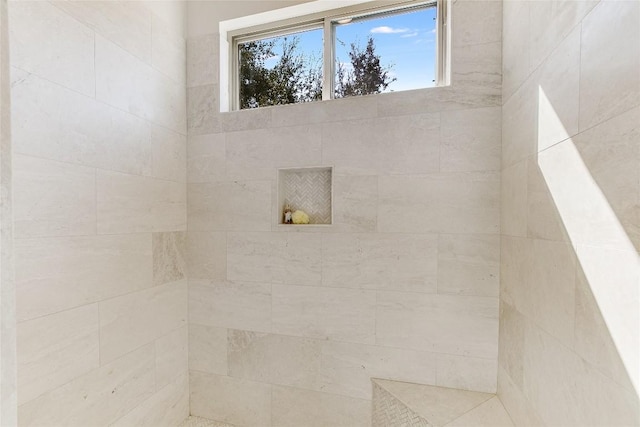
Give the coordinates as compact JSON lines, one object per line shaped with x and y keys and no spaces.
{"x":97,"y":398}
{"x":55,"y":274}
{"x":332,"y":313}
{"x":202,"y":60}
{"x":168,"y":154}
{"x":207,"y":255}
{"x":168,"y":51}
{"x":236,"y":305}
{"x":380,"y":261}
{"x":293,"y":407}
{"x":130,"y":203}
{"x":289,"y":258}
{"x":172,"y":360}
{"x":355,"y":200}
{"x":169,"y":257}
{"x":230,"y":400}
{"x":56,"y":349}
{"x":59,"y":49}
{"x":207,"y":349}
{"x":53,"y":198}
{"x":206,"y":158}
{"x":130,"y":321}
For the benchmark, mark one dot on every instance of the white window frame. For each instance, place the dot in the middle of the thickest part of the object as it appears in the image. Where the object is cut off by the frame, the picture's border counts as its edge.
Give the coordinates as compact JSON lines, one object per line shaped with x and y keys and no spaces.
{"x":293,"y":20}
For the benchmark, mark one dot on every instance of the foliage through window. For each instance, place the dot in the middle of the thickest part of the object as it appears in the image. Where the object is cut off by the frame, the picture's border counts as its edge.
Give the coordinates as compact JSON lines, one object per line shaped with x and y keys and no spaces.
{"x":371,"y":52}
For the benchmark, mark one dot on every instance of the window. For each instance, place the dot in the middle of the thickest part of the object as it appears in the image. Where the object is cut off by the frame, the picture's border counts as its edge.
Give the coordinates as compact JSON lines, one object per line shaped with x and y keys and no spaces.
{"x":351,"y":51}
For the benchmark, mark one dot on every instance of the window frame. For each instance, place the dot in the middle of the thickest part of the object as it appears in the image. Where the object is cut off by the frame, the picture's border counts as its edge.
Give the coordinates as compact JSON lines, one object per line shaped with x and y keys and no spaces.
{"x":326,"y":22}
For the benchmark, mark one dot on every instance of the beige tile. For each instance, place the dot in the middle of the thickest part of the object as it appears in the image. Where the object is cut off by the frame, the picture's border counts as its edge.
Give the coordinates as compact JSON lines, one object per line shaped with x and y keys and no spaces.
{"x":380,"y":261}
{"x":476,"y":70}
{"x":168,"y":155}
{"x":290,"y":258}
{"x":515,"y":402}
{"x":543,"y":217}
{"x":203,"y":115}
{"x":520,"y":123}
{"x":230,"y":206}
{"x":206,"y":158}
{"x":355,"y":200}
{"x":207,"y":349}
{"x":56,"y":274}
{"x":207,"y":255}
{"x":49,"y":43}
{"x":347,"y":368}
{"x":406,"y":144}
{"x":202,"y":60}
{"x":256,"y":154}
{"x":236,"y":305}
{"x":172,"y":358}
{"x":449,"y":203}
{"x":127,"y":83}
{"x":56,"y":349}
{"x":488,"y":414}
{"x":353,"y":108}
{"x":256,"y":118}
{"x":476,"y":22}
{"x":168,"y":51}
{"x":516,"y":270}
{"x":52,"y":198}
{"x":558,"y":95}
{"x":124,"y":23}
{"x":469,"y":264}
{"x":172,"y":13}
{"x":167,"y":408}
{"x":513,"y":199}
{"x":611,"y":153}
{"x":609,"y":78}
{"x":471,"y":140}
{"x":274,"y":359}
{"x":466,"y":373}
{"x":459,"y":325}
{"x":130,"y":321}
{"x":511,"y":349}
{"x":329,"y":313}
{"x":515,"y":46}
{"x":230,"y":400}
{"x":169,"y":257}
{"x":97,"y":398}
{"x":129,"y":203}
{"x":295,"y":407}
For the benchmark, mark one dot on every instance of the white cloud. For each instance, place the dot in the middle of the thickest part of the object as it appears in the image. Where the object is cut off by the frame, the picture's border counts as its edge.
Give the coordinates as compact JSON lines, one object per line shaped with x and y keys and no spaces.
{"x":388,"y":30}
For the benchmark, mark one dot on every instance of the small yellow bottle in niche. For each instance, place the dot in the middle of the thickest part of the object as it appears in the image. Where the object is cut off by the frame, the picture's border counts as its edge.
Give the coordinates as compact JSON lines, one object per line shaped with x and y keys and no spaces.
{"x":288,"y":216}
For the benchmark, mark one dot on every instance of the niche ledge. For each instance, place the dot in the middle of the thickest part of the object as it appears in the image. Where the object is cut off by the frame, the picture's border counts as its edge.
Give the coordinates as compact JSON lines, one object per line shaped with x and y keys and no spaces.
{"x":307,"y":189}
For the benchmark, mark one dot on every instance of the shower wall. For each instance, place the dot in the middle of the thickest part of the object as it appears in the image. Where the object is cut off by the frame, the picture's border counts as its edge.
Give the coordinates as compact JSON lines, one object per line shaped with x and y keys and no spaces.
{"x":98,"y":92}
{"x":569,"y":319}
{"x":287,"y":326}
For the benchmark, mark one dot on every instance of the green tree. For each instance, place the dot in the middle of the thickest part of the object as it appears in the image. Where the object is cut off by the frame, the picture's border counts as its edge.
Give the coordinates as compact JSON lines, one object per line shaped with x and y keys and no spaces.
{"x":366,"y":74}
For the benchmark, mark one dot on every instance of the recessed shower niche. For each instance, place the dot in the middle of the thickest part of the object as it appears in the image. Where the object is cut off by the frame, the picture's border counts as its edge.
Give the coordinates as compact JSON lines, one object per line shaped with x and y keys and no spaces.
{"x":308,"y":190}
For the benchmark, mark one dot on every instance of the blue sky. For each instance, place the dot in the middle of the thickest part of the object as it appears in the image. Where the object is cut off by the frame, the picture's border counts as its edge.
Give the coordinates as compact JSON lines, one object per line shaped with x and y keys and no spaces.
{"x":406,"y":41}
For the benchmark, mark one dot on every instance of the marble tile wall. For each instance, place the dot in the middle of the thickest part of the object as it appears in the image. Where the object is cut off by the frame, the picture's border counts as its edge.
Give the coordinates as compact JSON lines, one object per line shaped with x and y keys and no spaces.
{"x":100,"y":155}
{"x":287,"y":327}
{"x":569,"y":266}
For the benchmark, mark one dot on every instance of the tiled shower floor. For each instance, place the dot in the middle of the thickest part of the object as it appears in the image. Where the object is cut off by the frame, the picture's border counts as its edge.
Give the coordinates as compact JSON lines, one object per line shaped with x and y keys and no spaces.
{"x":202,"y":422}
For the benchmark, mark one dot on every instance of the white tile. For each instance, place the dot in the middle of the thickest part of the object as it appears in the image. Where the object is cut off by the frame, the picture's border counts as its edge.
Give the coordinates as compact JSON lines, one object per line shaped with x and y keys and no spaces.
{"x":380,"y":261}
{"x":49,"y":43}
{"x":168,"y":51}
{"x":469,"y":264}
{"x":128,"y":24}
{"x":207,"y":255}
{"x":169,"y":257}
{"x":471,"y":140}
{"x":207,"y":349}
{"x":168,"y":155}
{"x":466,"y":373}
{"x":520,"y":122}
{"x":202,"y":60}
{"x":516,"y":46}
{"x":459,"y":325}
{"x":230,"y":400}
{"x":97,"y":398}
{"x":56,"y":349}
{"x":476,"y":70}
{"x":172,"y":358}
{"x":52,"y":198}
{"x":476,"y":22}
{"x":274,"y":359}
{"x":236,"y":305}
{"x":295,"y":407}
{"x":330,"y":313}
{"x":290,"y":258}
{"x":513,"y":199}
{"x":130,"y":321}
{"x":203,"y":110}
{"x":130,"y":203}
{"x":347,"y":368}
{"x":230,"y":206}
{"x":55,"y":274}
{"x":609,"y":78}
{"x":206,"y":158}
{"x":355,"y":200}
{"x":489,"y":414}
{"x":167,"y":408}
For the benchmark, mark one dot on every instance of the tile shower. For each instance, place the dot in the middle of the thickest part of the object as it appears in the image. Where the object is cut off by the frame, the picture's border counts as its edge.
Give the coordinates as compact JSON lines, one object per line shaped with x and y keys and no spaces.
{"x":154,"y":280}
